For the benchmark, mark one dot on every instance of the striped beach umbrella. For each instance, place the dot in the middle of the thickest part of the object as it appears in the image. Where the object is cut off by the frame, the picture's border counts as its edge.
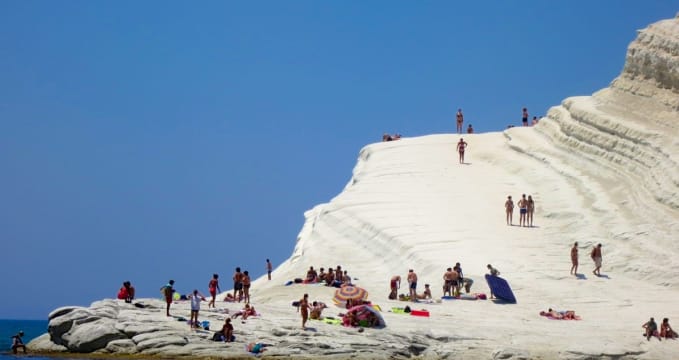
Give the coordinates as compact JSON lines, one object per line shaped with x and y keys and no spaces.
{"x":349,"y":292}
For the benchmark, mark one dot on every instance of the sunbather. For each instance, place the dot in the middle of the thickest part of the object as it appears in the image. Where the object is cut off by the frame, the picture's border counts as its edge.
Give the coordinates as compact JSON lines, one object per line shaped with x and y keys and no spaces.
{"x":560,"y":315}
{"x":666,"y":330}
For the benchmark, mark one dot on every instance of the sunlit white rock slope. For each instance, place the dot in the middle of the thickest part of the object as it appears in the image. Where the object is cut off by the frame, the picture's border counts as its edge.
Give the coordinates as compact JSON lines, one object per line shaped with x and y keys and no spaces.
{"x":602,"y":169}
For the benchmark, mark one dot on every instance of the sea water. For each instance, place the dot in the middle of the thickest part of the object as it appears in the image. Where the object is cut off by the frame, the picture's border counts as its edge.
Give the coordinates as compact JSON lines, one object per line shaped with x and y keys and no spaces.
{"x":31,"y":329}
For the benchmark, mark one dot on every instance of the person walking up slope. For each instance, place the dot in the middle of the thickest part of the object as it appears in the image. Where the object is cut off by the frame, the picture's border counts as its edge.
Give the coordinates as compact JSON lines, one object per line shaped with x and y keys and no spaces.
{"x":574,"y":259}
{"x":597,"y":257}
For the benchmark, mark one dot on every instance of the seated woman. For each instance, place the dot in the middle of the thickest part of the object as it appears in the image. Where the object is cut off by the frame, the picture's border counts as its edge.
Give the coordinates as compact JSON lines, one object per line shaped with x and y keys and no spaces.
{"x":227,"y":331}
{"x":350,"y":319}
{"x":666,"y":330}
{"x":426,"y":294}
{"x":229,"y":298}
{"x":317,"y":309}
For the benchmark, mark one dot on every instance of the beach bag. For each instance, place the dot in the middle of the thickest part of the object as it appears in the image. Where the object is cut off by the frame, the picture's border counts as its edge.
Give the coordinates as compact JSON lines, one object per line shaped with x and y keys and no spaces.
{"x":406,"y":309}
{"x":295,"y":303}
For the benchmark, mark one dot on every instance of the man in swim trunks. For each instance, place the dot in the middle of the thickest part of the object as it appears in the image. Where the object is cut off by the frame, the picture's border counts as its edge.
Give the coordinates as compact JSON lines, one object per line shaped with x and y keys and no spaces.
{"x":238,"y":285}
{"x":167,"y":291}
{"x":460,"y":120}
{"x":524,"y":117}
{"x":461,"y":145}
{"x":509,"y":209}
{"x":596,"y":256}
{"x":412,"y":284}
{"x":269,"y":268}
{"x":394,"y":284}
{"x":574,"y":259}
{"x":523,"y":210}
{"x":448,"y":282}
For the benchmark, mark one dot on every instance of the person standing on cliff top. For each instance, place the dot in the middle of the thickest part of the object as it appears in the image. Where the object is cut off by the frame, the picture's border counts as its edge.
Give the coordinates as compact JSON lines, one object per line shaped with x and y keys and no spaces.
{"x":524,"y":117}
{"x":460,"y":120}
{"x":167,"y":291}
{"x":269,"y":268}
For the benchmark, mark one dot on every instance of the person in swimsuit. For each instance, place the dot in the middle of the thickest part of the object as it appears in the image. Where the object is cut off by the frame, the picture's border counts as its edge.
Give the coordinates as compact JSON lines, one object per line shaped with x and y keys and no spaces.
{"x":227,"y":330}
{"x":246,"y":286}
{"x":574,"y":259}
{"x":412,"y":284}
{"x":18,"y":342}
{"x":524,"y":117}
{"x":509,"y":209}
{"x":666,"y":330}
{"x":530,"y":209}
{"x":213,"y":286}
{"x":651,"y":329}
{"x":304,"y":307}
{"x":167,"y":291}
{"x":523,"y":210}
{"x":461,"y":145}
{"x":470,"y":129}
{"x":460,"y":120}
{"x":597,"y":258}
{"x":269,"y":268}
{"x":238,"y":284}
{"x":448,"y":282}
{"x":394,"y":285}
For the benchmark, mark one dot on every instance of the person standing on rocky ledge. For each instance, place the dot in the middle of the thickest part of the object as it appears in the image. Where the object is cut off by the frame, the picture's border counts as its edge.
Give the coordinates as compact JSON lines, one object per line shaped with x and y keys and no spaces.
{"x":167,"y":292}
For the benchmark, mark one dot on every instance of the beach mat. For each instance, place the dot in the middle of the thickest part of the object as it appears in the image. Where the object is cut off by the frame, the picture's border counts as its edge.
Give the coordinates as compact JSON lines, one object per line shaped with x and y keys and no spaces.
{"x":500,"y":288}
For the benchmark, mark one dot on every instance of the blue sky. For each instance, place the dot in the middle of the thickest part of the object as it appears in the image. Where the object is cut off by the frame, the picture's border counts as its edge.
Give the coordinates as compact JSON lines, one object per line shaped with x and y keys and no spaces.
{"x":152,"y":140}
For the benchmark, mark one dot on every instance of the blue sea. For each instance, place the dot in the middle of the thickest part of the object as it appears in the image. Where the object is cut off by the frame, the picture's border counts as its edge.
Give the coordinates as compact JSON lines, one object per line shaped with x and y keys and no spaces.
{"x":31,"y":329}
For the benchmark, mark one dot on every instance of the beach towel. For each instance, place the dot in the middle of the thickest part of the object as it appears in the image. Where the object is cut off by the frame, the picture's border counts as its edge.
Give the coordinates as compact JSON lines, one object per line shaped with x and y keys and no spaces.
{"x":398,"y":310}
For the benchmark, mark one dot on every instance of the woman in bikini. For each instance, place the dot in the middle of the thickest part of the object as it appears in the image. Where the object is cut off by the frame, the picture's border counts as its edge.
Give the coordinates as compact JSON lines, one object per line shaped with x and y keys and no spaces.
{"x":530,"y":208}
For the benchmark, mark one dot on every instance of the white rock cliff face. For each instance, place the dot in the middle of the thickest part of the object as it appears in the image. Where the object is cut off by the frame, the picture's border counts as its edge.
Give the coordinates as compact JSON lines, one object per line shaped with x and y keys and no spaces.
{"x":602,"y":168}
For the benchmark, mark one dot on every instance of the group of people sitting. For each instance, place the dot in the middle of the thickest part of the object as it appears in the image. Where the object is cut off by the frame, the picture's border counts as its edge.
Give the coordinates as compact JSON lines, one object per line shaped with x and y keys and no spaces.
{"x":366,"y":319}
{"x":388,"y":137}
{"x":334,"y":277}
{"x":666,"y":331}
{"x":126,"y":292}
